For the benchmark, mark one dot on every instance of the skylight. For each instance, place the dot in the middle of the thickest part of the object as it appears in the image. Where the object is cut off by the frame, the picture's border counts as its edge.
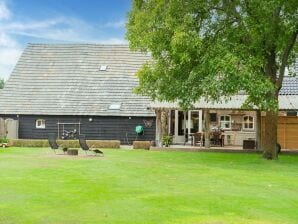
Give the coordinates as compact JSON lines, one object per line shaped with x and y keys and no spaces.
{"x":103,"y":68}
{"x":115,"y":106}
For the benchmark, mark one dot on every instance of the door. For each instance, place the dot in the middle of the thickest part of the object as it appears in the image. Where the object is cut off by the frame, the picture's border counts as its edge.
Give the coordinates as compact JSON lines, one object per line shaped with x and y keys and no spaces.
{"x":12,"y":128}
{"x":184,"y":123}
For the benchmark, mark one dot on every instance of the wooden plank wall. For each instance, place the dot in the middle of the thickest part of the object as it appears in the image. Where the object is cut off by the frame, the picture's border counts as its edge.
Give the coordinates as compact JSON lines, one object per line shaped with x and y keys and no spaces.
{"x":101,"y":127}
{"x":287,"y":132}
{"x":2,"y":127}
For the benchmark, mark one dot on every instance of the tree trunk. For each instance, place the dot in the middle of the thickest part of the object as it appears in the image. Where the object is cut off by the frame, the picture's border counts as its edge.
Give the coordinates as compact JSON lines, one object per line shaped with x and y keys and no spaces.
{"x":207,"y":128}
{"x":269,"y":138}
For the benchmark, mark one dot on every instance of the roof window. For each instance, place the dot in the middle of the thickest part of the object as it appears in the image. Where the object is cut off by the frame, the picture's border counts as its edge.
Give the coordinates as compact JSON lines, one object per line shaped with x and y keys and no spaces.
{"x":103,"y":68}
{"x":115,"y":106}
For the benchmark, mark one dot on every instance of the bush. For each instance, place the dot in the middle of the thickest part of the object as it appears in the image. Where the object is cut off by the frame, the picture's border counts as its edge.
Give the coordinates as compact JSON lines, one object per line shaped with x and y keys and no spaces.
{"x":112,"y":144}
{"x":4,"y":140}
{"x":141,"y":145}
{"x":167,"y":140}
{"x":65,"y":143}
{"x":29,"y":143}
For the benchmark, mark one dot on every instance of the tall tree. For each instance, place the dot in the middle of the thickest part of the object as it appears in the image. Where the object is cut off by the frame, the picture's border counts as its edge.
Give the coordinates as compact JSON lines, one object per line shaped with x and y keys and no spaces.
{"x":214,"y":49}
{"x":2,"y":83}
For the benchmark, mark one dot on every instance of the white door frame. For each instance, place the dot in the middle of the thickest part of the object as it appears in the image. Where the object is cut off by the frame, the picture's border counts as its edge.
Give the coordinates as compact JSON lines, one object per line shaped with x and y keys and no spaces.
{"x":180,"y":139}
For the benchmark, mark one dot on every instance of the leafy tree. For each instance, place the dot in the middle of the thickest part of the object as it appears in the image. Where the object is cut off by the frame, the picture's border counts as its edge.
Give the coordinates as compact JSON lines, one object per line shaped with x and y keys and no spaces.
{"x":214,"y":49}
{"x":2,"y":83}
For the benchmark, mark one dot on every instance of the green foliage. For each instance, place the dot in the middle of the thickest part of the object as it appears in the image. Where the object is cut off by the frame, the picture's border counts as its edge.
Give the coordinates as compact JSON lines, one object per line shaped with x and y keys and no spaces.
{"x":2,"y":83}
{"x":214,"y":49}
{"x":4,"y":140}
{"x":66,"y":143}
{"x":166,"y":140}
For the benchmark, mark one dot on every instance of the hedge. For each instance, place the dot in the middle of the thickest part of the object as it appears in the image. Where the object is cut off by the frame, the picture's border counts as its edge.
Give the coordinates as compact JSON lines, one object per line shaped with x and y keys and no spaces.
{"x":141,"y":145}
{"x":65,"y":143}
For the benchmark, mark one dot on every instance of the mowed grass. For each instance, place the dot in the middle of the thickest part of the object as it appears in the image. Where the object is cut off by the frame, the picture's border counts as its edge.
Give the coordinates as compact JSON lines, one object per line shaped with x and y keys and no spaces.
{"x":138,"y":186}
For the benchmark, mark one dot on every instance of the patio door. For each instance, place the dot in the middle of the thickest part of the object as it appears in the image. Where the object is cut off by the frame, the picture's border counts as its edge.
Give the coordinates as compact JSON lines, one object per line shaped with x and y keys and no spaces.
{"x":184,"y":123}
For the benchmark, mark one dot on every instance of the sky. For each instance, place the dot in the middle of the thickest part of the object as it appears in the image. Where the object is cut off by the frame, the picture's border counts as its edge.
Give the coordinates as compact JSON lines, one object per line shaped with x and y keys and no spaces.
{"x":58,"y":21}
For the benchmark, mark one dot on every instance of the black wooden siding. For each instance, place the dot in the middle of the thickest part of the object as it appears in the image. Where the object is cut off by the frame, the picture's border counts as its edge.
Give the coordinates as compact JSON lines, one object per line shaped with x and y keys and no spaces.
{"x":104,"y":128}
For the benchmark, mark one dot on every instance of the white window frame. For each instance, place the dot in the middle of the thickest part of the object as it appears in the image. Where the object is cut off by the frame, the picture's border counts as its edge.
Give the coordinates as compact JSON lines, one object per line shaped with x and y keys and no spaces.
{"x":115,"y":106}
{"x":222,"y":123}
{"x":103,"y":68}
{"x":248,"y":123}
{"x":40,"y":124}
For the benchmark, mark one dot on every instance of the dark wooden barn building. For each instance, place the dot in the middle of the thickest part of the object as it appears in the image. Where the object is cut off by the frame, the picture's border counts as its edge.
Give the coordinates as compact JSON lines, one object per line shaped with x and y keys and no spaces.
{"x":86,"y":88}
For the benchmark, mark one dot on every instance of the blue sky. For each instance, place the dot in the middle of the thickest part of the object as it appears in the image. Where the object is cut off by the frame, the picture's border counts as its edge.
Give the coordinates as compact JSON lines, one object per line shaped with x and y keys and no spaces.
{"x":58,"y":21}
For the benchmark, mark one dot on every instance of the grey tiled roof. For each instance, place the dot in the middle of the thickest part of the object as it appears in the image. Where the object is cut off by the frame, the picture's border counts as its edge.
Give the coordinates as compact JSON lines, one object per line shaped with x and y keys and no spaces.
{"x":289,"y":86}
{"x":64,"y":79}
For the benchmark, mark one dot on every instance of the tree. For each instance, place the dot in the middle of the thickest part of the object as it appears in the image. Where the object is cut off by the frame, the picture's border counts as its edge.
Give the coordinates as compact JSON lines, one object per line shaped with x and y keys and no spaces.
{"x":214,"y":49}
{"x":2,"y":83}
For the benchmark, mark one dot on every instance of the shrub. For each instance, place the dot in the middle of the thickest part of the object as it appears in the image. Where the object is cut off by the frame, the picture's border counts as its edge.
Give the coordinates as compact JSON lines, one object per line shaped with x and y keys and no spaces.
{"x":141,"y":145}
{"x":65,"y":143}
{"x":166,"y":140}
{"x":30,"y":143}
{"x":112,"y":144}
{"x":4,"y":140}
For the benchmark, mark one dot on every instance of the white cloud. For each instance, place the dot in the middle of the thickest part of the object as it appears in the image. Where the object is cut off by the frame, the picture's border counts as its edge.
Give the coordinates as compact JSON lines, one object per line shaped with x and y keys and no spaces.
{"x":8,"y":59}
{"x":10,"y":51}
{"x":56,"y":29}
{"x":116,"y":24}
{"x":112,"y":41}
{"x":6,"y":41}
{"x":59,"y":29}
{"x":4,"y":12}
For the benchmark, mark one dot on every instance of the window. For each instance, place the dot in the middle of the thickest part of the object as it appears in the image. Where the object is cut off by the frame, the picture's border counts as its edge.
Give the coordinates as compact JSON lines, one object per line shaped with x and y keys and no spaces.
{"x":115,"y":106}
{"x":225,"y":122}
{"x":291,"y":113}
{"x":248,"y":123}
{"x":213,"y":117}
{"x":40,"y":123}
{"x":103,"y":68}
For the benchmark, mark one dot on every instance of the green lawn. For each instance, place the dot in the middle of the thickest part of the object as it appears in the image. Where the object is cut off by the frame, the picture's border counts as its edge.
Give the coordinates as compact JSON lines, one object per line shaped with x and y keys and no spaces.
{"x":146,"y":187}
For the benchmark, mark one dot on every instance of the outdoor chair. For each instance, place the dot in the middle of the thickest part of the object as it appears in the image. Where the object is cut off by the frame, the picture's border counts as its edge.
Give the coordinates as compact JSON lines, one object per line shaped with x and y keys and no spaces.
{"x":86,"y":148}
{"x":217,"y":139}
{"x":53,"y":144}
{"x":197,"y":139}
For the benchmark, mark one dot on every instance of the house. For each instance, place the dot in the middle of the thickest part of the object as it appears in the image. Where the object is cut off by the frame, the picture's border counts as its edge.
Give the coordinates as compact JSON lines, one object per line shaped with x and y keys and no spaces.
{"x":238,"y":124}
{"x":86,"y":88}
{"x":89,"y":88}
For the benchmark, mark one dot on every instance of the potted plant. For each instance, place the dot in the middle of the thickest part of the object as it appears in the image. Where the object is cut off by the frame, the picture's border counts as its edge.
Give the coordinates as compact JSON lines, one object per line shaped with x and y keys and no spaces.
{"x":166,"y":140}
{"x":4,"y":141}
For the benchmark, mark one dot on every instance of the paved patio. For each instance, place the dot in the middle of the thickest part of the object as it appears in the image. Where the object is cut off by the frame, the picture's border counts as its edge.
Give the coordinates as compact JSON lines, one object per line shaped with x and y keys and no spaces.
{"x":229,"y":149}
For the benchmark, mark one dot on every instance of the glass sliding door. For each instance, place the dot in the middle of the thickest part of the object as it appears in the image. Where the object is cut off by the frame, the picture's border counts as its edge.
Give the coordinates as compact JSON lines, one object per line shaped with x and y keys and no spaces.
{"x":183,"y":124}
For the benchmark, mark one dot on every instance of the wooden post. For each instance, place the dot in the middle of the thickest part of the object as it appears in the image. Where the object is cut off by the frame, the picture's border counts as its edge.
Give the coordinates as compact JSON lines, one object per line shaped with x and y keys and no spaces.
{"x":188,"y":140}
{"x":164,"y":122}
{"x":200,"y":121}
{"x":158,"y":136}
{"x":258,"y":129}
{"x":207,"y":128}
{"x":176,"y":123}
